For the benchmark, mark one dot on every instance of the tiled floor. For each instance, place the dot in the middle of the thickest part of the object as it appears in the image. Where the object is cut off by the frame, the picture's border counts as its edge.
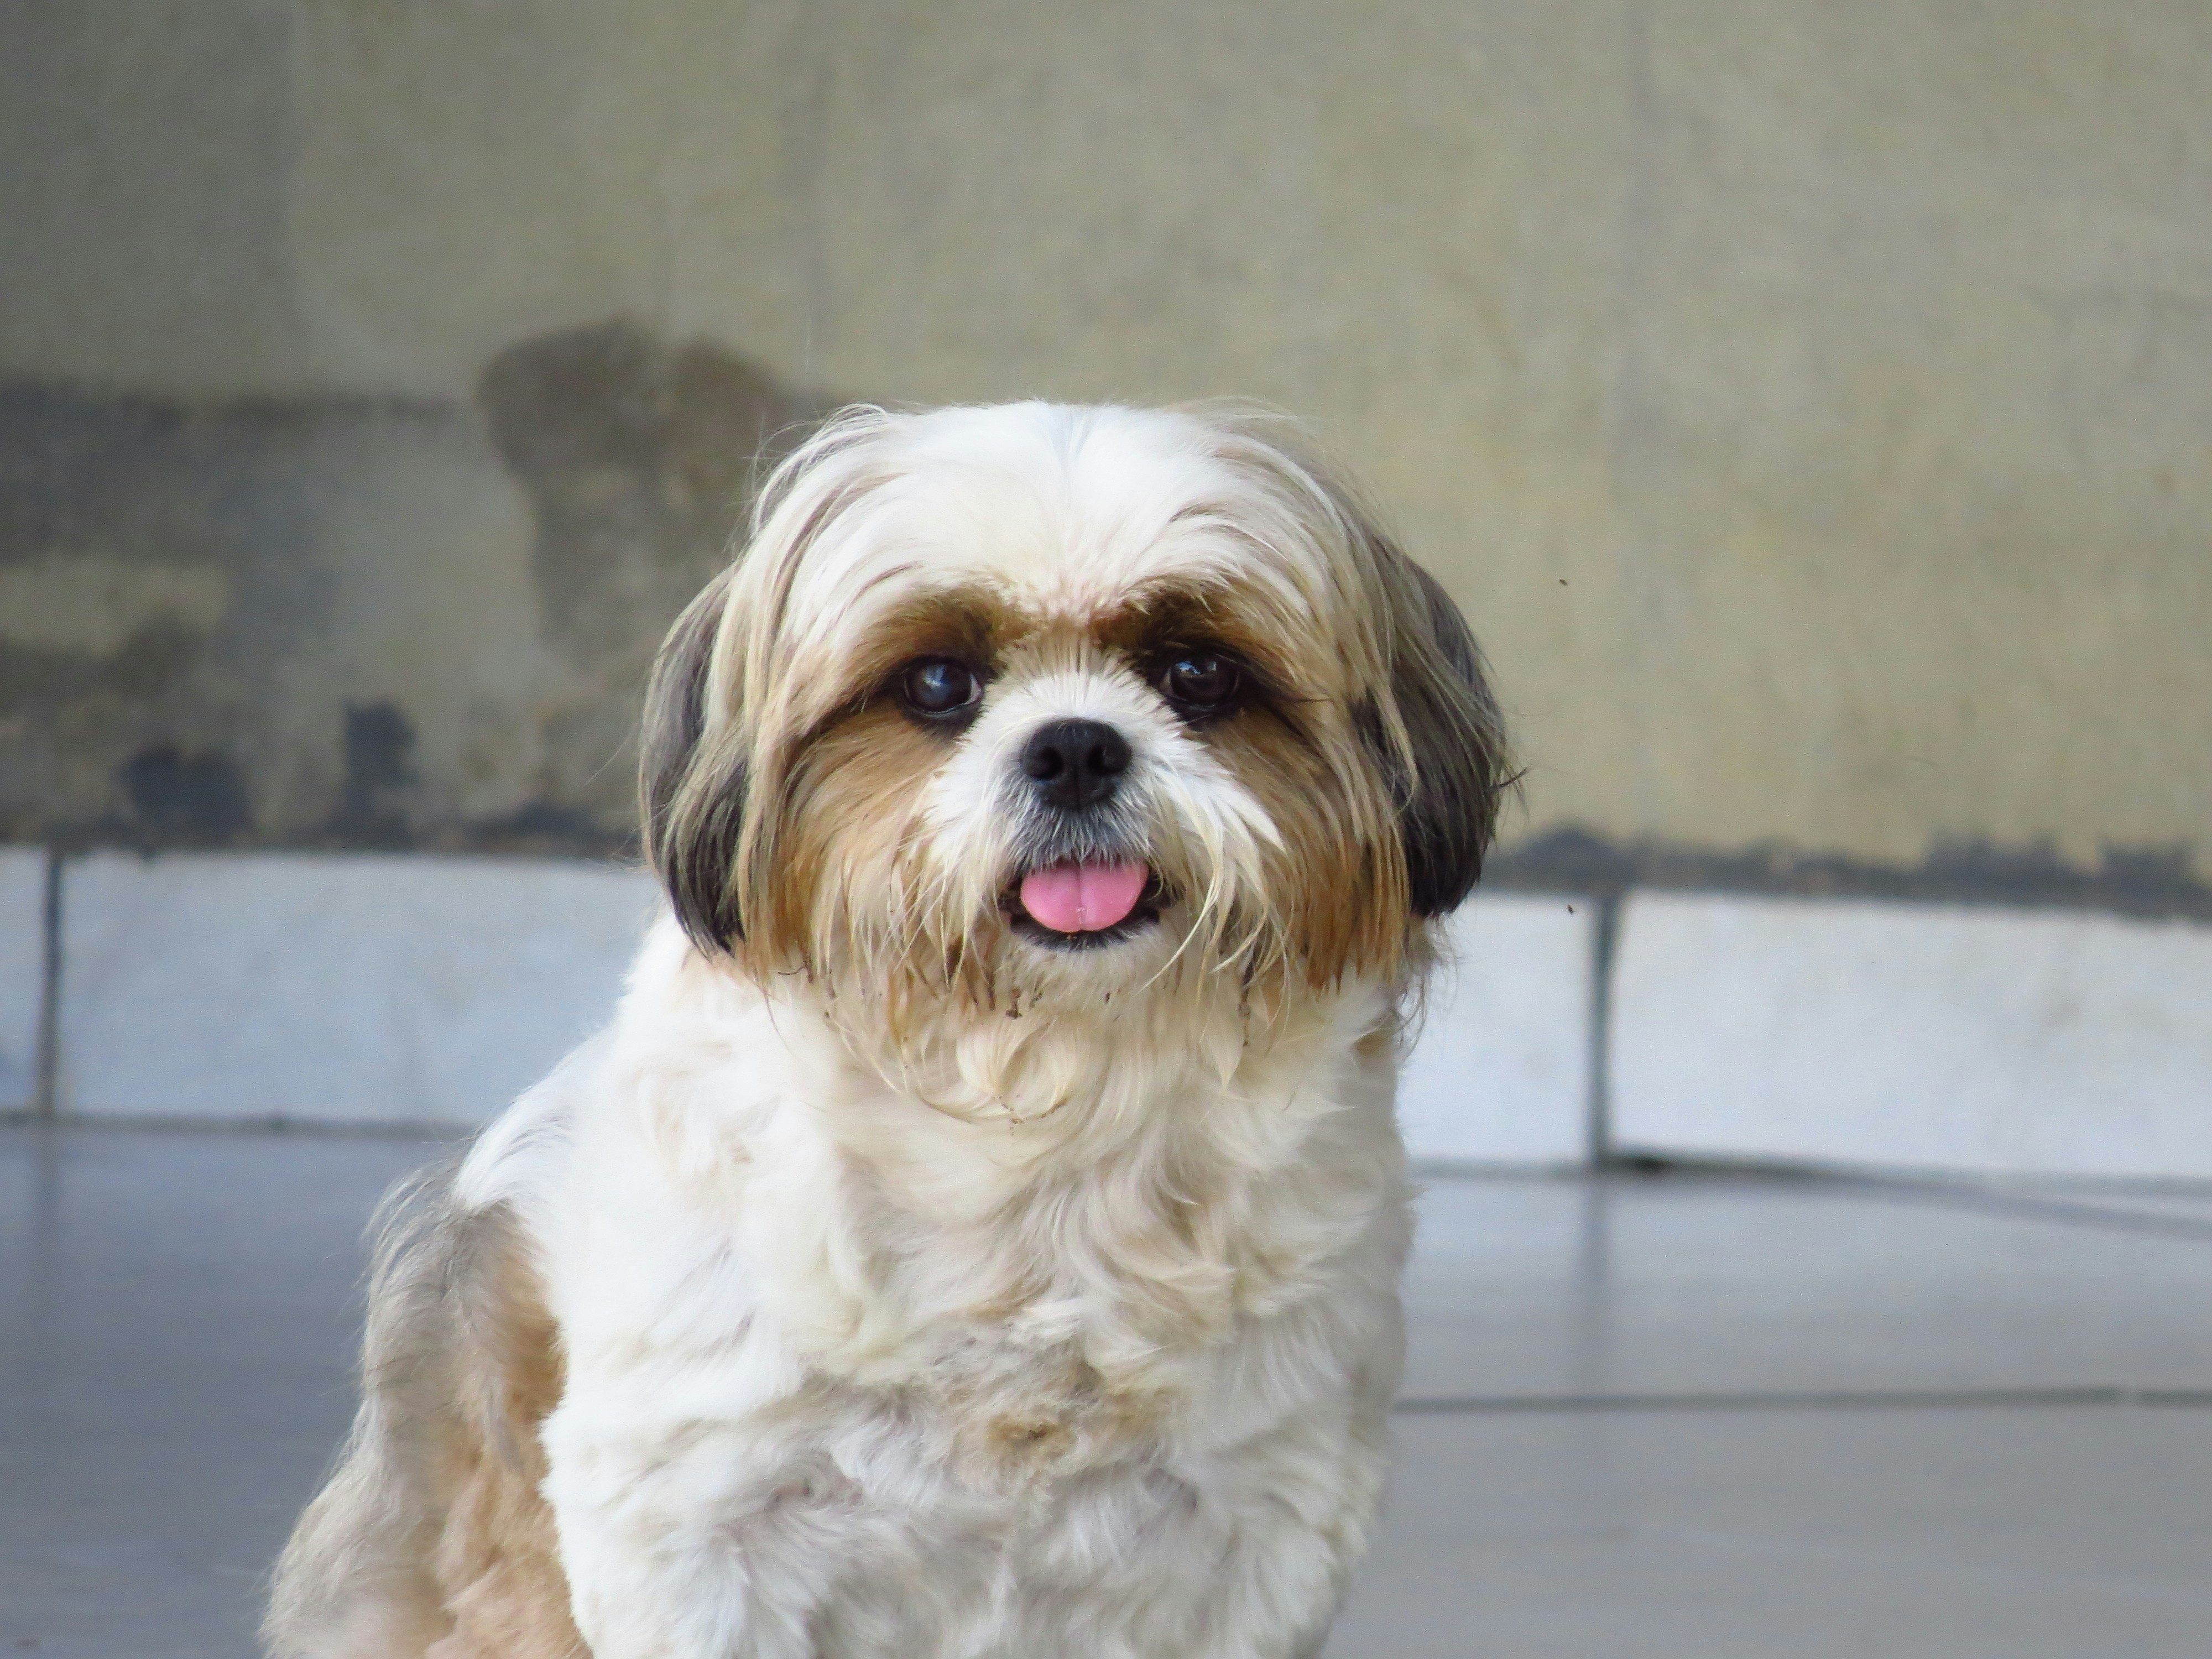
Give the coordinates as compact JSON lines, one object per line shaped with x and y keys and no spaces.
{"x":1694,"y":1417}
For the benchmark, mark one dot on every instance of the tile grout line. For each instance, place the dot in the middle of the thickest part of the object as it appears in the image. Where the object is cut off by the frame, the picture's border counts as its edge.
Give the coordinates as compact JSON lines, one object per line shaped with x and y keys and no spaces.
{"x":261,"y":1125}
{"x":2102,"y":1397}
{"x":45,"y":1088}
{"x":2014,"y":1198}
{"x":1605,"y":935}
{"x":2058,"y":1212}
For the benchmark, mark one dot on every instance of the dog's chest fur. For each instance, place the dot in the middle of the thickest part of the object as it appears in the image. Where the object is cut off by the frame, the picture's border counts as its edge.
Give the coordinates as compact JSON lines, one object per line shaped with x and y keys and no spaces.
{"x":890,"y":1416}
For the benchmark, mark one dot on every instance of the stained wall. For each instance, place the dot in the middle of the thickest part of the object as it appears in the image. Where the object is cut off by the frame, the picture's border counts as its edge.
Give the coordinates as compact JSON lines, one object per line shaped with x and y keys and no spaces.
{"x":1812,"y":406}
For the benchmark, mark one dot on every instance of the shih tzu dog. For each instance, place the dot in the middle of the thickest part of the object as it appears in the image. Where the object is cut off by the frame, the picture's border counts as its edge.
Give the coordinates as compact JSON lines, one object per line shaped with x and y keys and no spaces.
{"x":978,"y":1233}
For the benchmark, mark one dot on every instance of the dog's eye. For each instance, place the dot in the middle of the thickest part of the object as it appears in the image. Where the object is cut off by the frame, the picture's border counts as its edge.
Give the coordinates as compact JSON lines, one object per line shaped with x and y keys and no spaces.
{"x":1201,"y":683}
{"x":939,"y":687}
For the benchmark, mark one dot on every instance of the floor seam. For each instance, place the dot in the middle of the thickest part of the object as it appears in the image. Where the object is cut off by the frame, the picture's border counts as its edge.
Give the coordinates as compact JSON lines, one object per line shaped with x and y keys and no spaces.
{"x":2091,"y":1395}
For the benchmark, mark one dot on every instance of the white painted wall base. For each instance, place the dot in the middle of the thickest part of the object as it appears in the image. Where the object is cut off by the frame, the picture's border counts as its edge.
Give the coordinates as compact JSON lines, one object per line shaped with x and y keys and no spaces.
{"x":1500,"y":1072}
{"x":366,"y":989}
{"x":1921,"y":1036}
{"x":22,"y":971}
{"x":347,"y":989}
{"x":362,"y":989}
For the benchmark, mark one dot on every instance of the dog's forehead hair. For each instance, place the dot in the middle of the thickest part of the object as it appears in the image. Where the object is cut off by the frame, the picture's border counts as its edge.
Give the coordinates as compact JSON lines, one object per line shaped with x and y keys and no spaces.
{"x":1109,"y":585}
{"x":1074,"y":515}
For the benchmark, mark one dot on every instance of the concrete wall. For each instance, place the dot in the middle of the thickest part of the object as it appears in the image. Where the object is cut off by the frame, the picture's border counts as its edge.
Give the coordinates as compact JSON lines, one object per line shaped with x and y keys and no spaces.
{"x":1812,"y":405}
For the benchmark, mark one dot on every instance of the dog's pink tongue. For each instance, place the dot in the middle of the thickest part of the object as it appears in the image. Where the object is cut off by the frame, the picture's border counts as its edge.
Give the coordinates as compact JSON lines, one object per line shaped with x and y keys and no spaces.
{"x":1082,"y":898}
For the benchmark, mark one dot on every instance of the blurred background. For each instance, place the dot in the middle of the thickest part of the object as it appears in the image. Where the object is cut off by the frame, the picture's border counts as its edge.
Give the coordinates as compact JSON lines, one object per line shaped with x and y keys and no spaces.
{"x":1810,"y":404}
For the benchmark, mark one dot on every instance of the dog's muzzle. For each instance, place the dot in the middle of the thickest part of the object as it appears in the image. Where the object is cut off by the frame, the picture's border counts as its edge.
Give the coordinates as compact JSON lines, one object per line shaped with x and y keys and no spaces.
{"x":1090,"y":885}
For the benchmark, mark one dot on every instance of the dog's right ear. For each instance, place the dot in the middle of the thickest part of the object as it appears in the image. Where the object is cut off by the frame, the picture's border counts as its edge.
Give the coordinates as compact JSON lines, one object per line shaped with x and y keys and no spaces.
{"x":692,"y":798}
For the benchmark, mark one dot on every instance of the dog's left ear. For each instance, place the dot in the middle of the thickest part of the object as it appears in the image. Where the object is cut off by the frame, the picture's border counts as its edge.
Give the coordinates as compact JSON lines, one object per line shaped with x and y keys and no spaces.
{"x":1453,"y":737}
{"x":691,"y":800}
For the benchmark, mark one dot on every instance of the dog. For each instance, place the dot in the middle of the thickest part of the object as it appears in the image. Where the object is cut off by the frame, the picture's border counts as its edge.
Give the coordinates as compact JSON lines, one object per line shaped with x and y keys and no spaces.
{"x":978,"y":1232}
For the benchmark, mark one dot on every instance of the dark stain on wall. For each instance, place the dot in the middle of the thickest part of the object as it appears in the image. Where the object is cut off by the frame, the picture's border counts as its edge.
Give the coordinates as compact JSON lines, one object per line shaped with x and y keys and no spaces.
{"x":216,"y":651}
{"x":185,"y":800}
{"x":130,"y":528}
{"x":379,"y":771}
{"x":639,"y":459}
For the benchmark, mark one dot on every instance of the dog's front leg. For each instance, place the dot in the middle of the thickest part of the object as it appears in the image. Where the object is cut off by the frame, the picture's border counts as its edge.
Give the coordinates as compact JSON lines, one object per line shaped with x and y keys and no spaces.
{"x":655,"y":1547}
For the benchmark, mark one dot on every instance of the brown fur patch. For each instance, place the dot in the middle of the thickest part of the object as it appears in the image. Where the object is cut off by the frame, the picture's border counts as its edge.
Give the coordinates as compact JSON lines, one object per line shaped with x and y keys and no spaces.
{"x":432,"y":1540}
{"x":1338,"y":877}
{"x":971,"y":622}
{"x":1168,"y":616}
{"x":847,"y":811}
{"x":498,"y":1562}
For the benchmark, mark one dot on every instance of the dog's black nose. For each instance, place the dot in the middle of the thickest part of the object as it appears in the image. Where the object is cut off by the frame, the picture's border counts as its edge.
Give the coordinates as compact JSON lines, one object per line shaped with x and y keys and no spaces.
{"x":1076,"y":763}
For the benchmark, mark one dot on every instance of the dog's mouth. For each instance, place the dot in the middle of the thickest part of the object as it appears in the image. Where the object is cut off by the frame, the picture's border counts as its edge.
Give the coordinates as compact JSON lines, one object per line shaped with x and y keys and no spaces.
{"x":1078,"y":904}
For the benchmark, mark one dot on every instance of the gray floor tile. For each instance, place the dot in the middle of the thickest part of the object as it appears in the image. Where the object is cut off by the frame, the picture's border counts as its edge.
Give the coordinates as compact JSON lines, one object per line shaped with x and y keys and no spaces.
{"x":177,"y":1312}
{"x":1820,"y":1534}
{"x":177,"y":1321}
{"x":1697,"y":1283}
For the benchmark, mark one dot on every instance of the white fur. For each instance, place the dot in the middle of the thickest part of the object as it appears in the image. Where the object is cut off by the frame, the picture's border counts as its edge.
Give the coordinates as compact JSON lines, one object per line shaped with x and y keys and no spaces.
{"x":790,"y":1374}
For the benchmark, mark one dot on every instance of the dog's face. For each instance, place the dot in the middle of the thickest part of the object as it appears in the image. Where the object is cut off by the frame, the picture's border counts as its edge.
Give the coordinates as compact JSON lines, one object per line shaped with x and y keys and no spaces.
{"x":1036,"y":705}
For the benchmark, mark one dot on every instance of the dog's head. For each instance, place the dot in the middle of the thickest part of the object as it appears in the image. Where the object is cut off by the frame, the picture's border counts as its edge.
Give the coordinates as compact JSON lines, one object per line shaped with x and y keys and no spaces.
{"x":1008,"y":708}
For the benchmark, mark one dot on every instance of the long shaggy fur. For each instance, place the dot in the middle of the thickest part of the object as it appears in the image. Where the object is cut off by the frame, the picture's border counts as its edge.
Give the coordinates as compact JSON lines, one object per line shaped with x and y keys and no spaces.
{"x":888,"y":1280}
